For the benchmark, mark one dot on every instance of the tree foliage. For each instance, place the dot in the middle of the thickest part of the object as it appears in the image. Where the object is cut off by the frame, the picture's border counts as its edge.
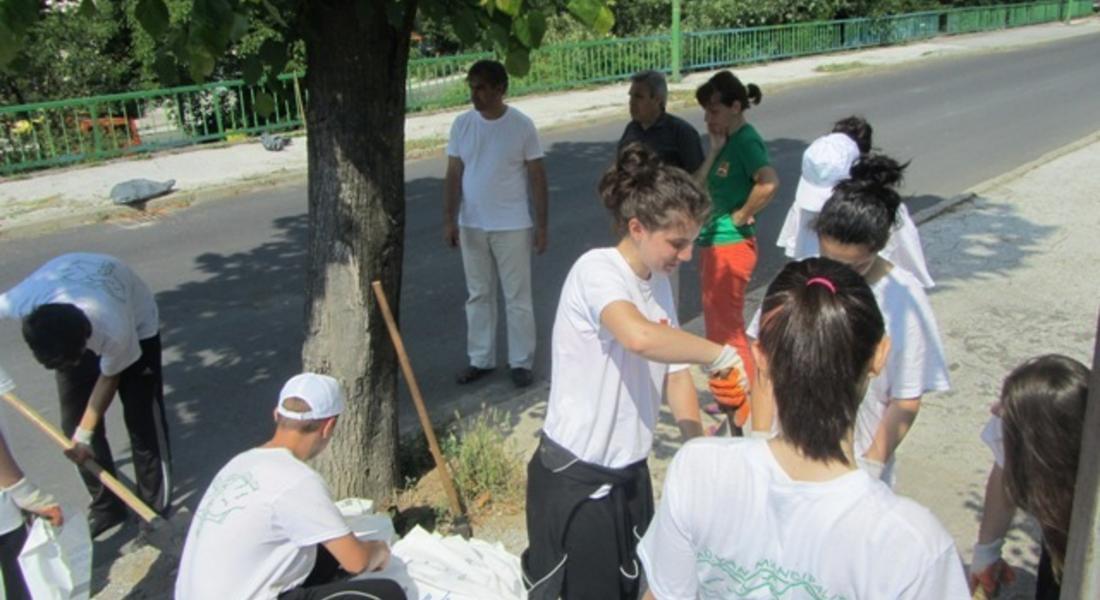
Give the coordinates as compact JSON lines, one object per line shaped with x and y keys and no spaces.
{"x":65,"y":56}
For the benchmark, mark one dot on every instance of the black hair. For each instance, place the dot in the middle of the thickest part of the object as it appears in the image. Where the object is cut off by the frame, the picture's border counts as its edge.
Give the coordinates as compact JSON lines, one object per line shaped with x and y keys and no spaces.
{"x":57,"y":334}
{"x":639,"y":186}
{"x":858,"y":129}
{"x":491,"y":71}
{"x":863,"y":209}
{"x":729,"y":89}
{"x":820,"y":328}
{"x":1043,"y":402}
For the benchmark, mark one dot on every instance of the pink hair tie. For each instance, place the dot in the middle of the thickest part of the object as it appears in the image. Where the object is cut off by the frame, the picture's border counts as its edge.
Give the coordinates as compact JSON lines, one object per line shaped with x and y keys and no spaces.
{"x":822,"y":281}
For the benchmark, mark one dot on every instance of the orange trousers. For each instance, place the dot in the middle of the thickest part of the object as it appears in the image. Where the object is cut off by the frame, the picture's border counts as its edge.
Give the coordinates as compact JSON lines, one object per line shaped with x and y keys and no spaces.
{"x":725,"y":272}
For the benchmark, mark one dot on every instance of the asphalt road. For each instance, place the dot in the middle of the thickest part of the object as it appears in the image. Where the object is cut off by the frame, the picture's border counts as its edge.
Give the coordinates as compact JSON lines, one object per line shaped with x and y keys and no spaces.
{"x":229,"y":274}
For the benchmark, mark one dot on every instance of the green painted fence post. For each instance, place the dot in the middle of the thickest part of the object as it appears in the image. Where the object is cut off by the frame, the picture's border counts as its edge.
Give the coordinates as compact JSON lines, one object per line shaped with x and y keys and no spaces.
{"x":677,"y":42}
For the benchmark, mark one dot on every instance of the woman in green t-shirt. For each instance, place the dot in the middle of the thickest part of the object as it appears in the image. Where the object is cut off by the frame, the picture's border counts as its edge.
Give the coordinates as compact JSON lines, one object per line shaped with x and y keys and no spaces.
{"x":741,"y":182}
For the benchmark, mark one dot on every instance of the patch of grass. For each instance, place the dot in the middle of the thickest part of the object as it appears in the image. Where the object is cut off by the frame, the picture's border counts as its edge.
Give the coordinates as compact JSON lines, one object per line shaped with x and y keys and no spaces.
{"x":423,"y":146}
{"x":840,"y":67}
{"x":486,"y":466}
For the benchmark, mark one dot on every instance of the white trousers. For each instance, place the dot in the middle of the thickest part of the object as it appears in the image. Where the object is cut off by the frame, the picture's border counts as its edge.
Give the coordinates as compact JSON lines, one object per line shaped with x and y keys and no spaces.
{"x":485,"y":255}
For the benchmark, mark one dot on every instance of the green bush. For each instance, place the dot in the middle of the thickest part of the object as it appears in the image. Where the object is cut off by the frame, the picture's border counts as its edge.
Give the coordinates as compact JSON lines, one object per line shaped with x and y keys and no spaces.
{"x":482,"y":458}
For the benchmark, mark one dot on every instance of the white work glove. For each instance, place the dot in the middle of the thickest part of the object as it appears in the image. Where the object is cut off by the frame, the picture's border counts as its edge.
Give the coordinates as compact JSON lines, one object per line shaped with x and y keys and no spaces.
{"x":83,"y":436}
{"x":985,"y":555}
{"x":727,"y":359}
{"x":873,"y":467}
{"x":28,"y":497}
{"x":988,"y":571}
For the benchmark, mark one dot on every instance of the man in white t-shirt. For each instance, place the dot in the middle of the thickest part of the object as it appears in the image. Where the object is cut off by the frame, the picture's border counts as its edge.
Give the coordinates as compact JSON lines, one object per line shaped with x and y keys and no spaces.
{"x":95,"y":322}
{"x":494,"y":166}
{"x":267,"y":527}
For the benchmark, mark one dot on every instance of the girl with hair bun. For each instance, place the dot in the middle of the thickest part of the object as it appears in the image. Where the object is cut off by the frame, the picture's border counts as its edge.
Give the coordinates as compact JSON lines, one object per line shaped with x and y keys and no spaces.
{"x":853,"y":228}
{"x":793,"y":516}
{"x":741,"y":182}
{"x":617,"y":351}
{"x":1035,"y":435}
{"x":826,"y":162}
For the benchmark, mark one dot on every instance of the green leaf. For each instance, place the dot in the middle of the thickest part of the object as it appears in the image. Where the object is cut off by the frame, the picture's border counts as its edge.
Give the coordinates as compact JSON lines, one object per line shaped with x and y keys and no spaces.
{"x":593,"y":13}
{"x":166,"y":71}
{"x":200,"y":63}
{"x":275,"y":14}
{"x":153,"y":17}
{"x":273,"y":54}
{"x":211,"y":24}
{"x":10,"y":43}
{"x":499,"y":34}
{"x":87,"y":9}
{"x":530,"y":28}
{"x":265,"y":104}
{"x":239,"y":28}
{"x":518,"y":61}
{"x":509,"y":7}
{"x":252,"y":69}
{"x":466,"y":27}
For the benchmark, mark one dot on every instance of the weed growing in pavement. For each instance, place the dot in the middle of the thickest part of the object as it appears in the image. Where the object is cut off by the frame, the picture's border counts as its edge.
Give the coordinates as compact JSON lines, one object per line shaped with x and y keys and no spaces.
{"x":485,"y":464}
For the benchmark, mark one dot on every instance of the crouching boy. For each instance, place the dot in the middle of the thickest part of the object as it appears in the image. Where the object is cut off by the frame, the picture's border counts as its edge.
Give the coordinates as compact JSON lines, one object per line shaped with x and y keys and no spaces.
{"x":267,"y":527}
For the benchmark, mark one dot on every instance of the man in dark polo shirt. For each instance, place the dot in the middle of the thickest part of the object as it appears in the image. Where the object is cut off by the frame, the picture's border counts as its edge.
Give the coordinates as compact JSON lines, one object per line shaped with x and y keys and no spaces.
{"x":672,"y":138}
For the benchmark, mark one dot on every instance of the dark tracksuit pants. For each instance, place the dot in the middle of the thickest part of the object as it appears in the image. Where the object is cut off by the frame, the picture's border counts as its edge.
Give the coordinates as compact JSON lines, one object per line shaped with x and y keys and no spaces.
{"x":11,"y":544}
{"x":141,"y":390}
{"x":327,"y":581}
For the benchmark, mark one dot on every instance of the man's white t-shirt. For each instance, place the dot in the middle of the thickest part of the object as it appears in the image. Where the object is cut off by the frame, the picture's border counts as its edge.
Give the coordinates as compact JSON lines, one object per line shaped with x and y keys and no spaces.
{"x":605,"y":400}
{"x":494,"y":154}
{"x":732,"y":524}
{"x":916,"y":365}
{"x":256,"y":530}
{"x":118,"y":304}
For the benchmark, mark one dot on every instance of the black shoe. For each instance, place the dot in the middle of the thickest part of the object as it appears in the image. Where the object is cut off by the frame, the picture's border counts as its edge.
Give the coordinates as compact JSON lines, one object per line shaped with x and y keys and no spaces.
{"x":100,"y":521}
{"x":471,"y":374}
{"x":522,"y":377}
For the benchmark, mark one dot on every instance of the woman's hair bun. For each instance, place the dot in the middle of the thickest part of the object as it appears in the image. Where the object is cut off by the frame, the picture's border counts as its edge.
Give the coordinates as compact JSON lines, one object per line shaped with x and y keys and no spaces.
{"x":878,"y":169}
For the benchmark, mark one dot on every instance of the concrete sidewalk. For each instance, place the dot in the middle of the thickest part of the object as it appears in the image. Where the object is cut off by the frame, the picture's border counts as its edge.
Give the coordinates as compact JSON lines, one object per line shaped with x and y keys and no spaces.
{"x":59,"y":198}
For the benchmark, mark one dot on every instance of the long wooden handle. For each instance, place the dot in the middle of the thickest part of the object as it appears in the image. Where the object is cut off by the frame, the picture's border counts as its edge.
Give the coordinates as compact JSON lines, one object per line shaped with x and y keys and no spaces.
{"x":418,"y":400}
{"x":91,"y":466}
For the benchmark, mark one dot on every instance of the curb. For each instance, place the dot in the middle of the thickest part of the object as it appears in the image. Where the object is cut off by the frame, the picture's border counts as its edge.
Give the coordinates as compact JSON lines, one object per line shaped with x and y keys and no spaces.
{"x":923,"y":216}
{"x":171,"y":201}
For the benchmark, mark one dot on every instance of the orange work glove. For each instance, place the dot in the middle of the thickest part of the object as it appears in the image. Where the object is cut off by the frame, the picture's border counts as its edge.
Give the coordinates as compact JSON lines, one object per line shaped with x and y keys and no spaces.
{"x":731,"y":391}
{"x":989,"y":580}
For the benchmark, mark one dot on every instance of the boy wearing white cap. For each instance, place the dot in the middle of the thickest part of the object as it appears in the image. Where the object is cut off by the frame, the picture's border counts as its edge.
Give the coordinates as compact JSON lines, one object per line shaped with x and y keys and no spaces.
{"x":267,"y":526}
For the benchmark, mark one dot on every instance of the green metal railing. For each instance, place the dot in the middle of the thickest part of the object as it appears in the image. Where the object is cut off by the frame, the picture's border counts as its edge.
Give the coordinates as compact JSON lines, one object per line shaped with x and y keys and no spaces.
{"x":48,"y":134}
{"x":66,"y":131}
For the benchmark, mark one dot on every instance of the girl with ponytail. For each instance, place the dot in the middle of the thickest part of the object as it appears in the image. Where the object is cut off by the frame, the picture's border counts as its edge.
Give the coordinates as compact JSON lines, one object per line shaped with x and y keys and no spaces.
{"x":793,"y":516}
{"x":617,"y":352}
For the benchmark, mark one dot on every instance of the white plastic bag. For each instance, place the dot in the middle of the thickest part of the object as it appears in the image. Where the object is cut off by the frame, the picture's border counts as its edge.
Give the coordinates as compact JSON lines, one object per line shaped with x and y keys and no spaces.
{"x":57,"y":561}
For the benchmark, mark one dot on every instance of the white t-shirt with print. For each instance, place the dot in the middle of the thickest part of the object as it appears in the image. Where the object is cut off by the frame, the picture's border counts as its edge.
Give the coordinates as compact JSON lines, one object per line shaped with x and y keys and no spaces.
{"x":732,"y":524}
{"x":916,"y":365}
{"x":118,"y":304}
{"x":605,"y":400}
{"x":256,"y":530}
{"x":494,"y":154}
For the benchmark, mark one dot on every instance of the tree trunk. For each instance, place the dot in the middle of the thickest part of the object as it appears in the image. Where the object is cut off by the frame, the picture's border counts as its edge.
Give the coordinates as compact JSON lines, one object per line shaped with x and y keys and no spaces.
{"x":355,"y":78}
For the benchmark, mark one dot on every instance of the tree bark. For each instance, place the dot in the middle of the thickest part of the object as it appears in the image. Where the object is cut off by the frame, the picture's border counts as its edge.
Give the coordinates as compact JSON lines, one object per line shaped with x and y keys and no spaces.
{"x":355,"y":78}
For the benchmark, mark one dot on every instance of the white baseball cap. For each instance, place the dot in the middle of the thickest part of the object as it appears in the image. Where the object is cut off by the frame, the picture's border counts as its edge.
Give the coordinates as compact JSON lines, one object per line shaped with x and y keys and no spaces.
{"x":824,"y":164}
{"x":6,"y":383}
{"x":321,"y":392}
